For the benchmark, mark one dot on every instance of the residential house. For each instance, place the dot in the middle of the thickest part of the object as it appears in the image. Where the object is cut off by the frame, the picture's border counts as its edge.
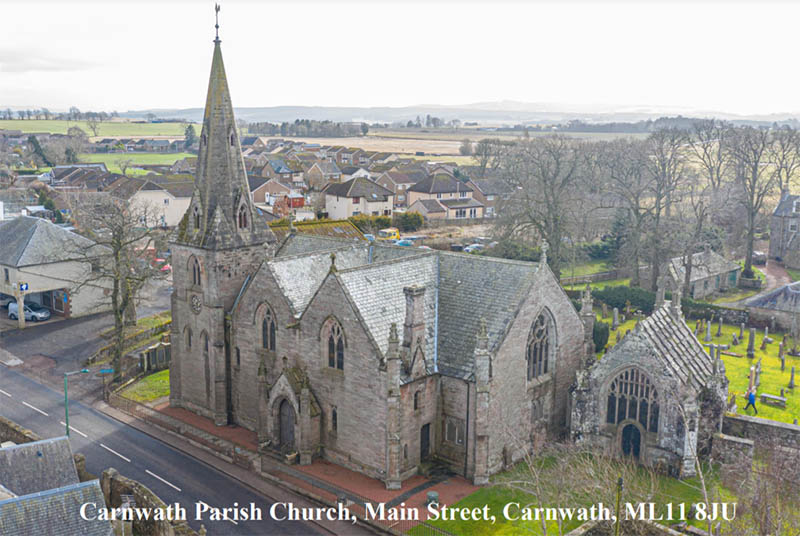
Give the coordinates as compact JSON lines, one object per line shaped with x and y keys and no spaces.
{"x":184,"y":165}
{"x":357,"y":196}
{"x":784,"y":242}
{"x":399,"y":183}
{"x":348,"y":156}
{"x":489,"y":192}
{"x":448,"y":209}
{"x":439,"y":186}
{"x":711,"y":272}
{"x":322,"y":173}
{"x":166,"y":201}
{"x":351,"y":172}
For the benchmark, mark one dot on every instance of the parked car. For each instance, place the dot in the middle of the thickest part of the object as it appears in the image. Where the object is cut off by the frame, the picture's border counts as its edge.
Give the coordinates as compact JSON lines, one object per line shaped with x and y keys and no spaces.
{"x":370,"y":237}
{"x":759,"y":257}
{"x":33,"y":312}
{"x":5,"y":299}
{"x":403,"y":242}
{"x":390,"y":233}
{"x":473,"y":247}
{"x":456,"y":247}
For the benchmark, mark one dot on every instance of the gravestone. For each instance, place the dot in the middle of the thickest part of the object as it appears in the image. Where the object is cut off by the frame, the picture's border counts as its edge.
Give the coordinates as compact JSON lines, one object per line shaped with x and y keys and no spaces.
{"x":791,"y":380}
{"x":741,"y":331}
{"x":734,"y":340}
{"x":763,"y":344}
{"x":752,"y":378}
{"x":782,"y":357}
{"x":751,"y":343}
{"x":783,"y":393}
{"x":758,"y":373}
{"x":719,"y":327}
{"x":707,"y":338}
{"x":766,"y":332}
{"x":772,"y":322}
{"x":628,"y":307}
{"x":615,"y":319}
{"x":618,"y":336}
{"x":605,"y":310}
{"x":795,"y":422}
{"x":697,"y":328}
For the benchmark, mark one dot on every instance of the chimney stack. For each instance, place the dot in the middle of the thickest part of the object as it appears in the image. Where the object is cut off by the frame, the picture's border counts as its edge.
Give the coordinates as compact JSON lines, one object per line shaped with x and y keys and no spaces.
{"x":414,"y":326}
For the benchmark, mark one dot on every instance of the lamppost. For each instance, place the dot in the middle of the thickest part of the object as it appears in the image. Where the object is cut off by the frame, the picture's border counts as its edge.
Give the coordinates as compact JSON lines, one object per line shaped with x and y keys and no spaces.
{"x":66,"y":397}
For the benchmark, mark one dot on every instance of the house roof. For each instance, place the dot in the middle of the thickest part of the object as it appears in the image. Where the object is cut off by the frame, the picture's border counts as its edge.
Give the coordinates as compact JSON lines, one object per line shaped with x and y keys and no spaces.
{"x":439,"y":184}
{"x":463,"y":202}
{"x":785,"y":298}
{"x":340,"y":229}
{"x":359,"y":187}
{"x":489,"y":187}
{"x":255,"y":182}
{"x":329,"y":168}
{"x":405,"y":178}
{"x":179,"y":189}
{"x":27,"y":241}
{"x":705,"y":264}
{"x":786,"y":206}
{"x":55,"y":511}
{"x":430,"y":205}
{"x":37,"y":466}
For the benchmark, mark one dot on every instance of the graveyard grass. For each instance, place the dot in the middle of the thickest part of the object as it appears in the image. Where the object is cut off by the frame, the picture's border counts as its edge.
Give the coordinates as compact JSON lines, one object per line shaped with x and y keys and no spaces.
{"x":149,"y":388}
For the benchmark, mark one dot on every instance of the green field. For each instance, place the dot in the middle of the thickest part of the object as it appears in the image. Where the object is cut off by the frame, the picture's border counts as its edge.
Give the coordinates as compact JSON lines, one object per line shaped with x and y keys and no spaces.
{"x":111,"y":159}
{"x":106,"y":129}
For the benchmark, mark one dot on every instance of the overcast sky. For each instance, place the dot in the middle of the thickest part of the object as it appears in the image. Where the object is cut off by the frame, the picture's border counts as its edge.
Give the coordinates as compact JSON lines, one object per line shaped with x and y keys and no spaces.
{"x":735,"y":57}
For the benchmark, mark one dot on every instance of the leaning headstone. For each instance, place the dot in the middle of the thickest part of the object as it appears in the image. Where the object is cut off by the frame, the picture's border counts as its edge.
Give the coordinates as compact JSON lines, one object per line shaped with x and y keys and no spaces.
{"x":763,"y":344}
{"x":707,"y":338}
{"x":791,"y":380}
{"x":605,"y":310}
{"x":751,"y":343}
{"x":734,"y":340}
{"x":615,"y":319}
{"x":719,"y":327}
{"x":741,"y":331}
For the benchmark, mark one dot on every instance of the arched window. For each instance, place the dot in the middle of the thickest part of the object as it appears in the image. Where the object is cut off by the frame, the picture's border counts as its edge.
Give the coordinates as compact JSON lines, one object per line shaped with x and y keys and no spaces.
{"x":268,"y":330}
{"x":334,"y":420}
{"x":538,"y":351}
{"x":196,"y":218}
{"x":243,"y":217}
{"x":416,"y":400}
{"x":188,"y":337}
{"x":195,"y":267}
{"x":335,"y":340}
{"x":631,"y":395}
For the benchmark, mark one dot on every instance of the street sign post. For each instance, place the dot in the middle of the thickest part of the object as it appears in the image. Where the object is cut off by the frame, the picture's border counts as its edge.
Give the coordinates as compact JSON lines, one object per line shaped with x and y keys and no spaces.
{"x":23,"y":287}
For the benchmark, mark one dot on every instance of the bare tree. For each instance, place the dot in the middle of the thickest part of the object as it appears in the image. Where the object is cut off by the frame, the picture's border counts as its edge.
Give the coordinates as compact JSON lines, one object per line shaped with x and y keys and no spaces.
{"x":749,"y":152}
{"x":94,"y":124}
{"x":543,"y":172}
{"x":124,"y":164}
{"x":784,"y":154}
{"x":121,"y":260}
{"x":466,"y":147}
{"x":487,"y":152}
{"x":707,"y":143}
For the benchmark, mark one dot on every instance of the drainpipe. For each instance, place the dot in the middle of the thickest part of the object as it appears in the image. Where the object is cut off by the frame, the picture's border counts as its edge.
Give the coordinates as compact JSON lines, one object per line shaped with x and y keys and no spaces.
{"x":466,"y":434}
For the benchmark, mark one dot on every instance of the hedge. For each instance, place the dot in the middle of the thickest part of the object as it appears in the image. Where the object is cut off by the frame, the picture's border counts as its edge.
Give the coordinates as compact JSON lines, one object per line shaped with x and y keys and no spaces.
{"x":600,"y":335}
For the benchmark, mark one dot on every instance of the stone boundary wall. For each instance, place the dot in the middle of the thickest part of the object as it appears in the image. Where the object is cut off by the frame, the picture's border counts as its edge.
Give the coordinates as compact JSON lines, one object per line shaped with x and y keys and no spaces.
{"x":11,"y":431}
{"x":759,"y":430}
{"x":131,"y":340}
{"x":592,"y":278}
{"x":736,"y":452}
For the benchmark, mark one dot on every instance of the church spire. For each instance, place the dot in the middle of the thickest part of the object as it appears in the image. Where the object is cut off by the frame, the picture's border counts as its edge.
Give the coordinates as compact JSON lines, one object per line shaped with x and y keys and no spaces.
{"x":221,"y":214}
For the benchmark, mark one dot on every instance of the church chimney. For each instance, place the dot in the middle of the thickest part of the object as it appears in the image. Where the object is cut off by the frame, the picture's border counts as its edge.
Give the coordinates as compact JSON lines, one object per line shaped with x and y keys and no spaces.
{"x":414,"y":326}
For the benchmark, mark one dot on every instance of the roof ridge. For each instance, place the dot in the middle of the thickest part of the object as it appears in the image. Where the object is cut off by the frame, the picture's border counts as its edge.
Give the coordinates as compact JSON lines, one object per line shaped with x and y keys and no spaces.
{"x":386,"y":262}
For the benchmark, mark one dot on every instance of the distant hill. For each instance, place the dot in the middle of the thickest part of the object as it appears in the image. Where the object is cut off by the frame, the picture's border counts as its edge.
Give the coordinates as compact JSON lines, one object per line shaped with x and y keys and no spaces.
{"x":502,"y":112}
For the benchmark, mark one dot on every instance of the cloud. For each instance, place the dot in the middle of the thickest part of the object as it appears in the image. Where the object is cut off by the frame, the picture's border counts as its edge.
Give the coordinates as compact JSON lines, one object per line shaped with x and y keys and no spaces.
{"x":17,"y":60}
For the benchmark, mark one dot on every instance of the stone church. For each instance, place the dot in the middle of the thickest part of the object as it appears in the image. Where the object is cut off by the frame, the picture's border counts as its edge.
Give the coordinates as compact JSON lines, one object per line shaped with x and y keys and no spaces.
{"x":371,"y":356}
{"x":656,"y":396}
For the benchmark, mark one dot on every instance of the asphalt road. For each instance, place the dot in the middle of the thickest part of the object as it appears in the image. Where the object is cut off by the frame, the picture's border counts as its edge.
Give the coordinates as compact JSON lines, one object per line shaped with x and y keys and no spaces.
{"x":170,"y":474}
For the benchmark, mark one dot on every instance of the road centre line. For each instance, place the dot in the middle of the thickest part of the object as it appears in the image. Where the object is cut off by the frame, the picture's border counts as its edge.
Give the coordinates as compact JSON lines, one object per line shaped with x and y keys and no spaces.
{"x":34,"y":408}
{"x":112,"y":451}
{"x":74,"y":429}
{"x":149,"y":472}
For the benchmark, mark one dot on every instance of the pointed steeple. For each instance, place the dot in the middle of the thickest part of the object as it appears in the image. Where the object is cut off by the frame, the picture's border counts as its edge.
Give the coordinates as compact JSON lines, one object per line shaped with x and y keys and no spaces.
{"x":221,"y":214}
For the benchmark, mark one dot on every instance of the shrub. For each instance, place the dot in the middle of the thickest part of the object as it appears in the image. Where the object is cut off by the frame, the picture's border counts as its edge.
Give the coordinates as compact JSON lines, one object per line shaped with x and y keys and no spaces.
{"x":370,"y":224}
{"x":408,"y":221}
{"x":600,"y":335}
{"x":598,"y":251}
{"x":513,"y":250}
{"x":640,"y":298}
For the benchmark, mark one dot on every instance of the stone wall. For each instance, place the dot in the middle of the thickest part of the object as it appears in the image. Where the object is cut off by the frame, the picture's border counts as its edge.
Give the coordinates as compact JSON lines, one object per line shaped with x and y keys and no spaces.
{"x":733,"y":452}
{"x":115,"y":485}
{"x":760,"y":430}
{"x":11,"y":431}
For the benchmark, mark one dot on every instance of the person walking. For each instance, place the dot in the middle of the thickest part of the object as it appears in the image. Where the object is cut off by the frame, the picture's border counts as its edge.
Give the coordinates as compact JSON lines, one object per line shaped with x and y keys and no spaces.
{"x":751,"y":400}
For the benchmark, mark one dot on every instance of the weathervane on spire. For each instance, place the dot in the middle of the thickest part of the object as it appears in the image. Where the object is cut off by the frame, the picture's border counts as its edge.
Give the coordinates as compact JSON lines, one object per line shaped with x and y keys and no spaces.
{"x":216,"y":26}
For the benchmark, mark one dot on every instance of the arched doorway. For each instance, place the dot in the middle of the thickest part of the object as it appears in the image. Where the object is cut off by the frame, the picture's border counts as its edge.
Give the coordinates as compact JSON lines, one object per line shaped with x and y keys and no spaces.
{"x":631,"y":440}
{"x":286,"y":426}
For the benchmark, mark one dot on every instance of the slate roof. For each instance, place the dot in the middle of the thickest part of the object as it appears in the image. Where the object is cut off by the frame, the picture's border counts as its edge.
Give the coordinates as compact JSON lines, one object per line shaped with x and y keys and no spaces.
{"x":376,"y":291}
{"x":255,"y":182}
{"x":463,"y":202}
{"x":359,"y":187}
{"x":675,"y":346}
{"x":786,"y":205}
{"x":27,"y":241}
{"x":440,"y":183}
{"x":329,"y":168}
{"x":705,"y":264}
{"x":302,"y":243}
{"x":179,"y":189}
{"x":54,"y":512}
{"x":785,"y":298}
{"x":37,"y":466}
{"x":307,"y":232}
{"x":488,"y":187}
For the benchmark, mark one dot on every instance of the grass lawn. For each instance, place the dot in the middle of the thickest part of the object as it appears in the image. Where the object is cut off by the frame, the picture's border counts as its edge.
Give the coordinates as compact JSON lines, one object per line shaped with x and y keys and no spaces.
{"x":601,"y":284}
{"x":734,"y":295}
{"x":584,"y":268}
{"x":106,"y":129}
{"x":496,"y":496}
{"x":111,"y":159}
{"x":149,"y":388}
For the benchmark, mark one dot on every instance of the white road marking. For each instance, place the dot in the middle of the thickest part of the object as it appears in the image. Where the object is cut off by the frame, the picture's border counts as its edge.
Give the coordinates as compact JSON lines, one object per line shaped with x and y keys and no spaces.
{"x":112,"y":451}
{"x":149,"y":472}
{"x":224,"y":519}
{"x":8,"y":395}
{"x":74,"y":429}
{"x":34,"y":408}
